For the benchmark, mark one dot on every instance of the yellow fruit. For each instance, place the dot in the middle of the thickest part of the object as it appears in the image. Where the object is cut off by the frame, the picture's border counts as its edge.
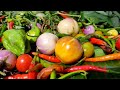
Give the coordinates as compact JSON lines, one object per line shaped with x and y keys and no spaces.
{"x":68,"y":50}
{"x":98,"y":32}
{"x":112,"y":33}
{"x":88,"y":49}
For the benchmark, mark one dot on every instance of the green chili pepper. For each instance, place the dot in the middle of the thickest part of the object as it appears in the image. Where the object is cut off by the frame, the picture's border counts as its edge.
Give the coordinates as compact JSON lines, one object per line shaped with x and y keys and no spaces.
{"x":113,"y":44}
{"x":33,"y":34}
{"x":53,"y":75}
{"x":101,"y":29}
{"x":37,"y":59}
{"x":73,"y":73}
{"x":46,"y":63}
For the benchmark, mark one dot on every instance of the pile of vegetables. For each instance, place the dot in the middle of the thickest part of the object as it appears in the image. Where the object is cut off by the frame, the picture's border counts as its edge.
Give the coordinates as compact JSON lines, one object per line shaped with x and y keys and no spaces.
{"x":59,"y":44}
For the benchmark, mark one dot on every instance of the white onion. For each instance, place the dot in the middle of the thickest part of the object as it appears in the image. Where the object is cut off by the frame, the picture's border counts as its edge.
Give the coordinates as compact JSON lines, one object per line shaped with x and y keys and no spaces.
{"x":68,"y":26}
{"x":9,"y":58}
{"x":46,"y":43}
{"x":40,"y":15}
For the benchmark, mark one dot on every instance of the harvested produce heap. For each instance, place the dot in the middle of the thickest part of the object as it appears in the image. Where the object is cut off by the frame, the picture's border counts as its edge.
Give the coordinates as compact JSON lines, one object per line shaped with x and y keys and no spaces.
{"x":59,"y":44}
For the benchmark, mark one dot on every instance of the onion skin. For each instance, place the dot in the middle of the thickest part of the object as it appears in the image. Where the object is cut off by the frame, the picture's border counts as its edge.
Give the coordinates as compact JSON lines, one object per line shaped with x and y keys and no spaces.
{"x":46,"y":43}
{"x":68,"y":26}
{"x":39,"y":25}
{"x":89,"y":30}
{"x":9,"y":58}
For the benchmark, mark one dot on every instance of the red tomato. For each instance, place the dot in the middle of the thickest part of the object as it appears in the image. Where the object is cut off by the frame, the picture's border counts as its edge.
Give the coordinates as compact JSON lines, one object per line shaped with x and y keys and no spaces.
{"x":117,"y":44}
{"x":23,"y":62}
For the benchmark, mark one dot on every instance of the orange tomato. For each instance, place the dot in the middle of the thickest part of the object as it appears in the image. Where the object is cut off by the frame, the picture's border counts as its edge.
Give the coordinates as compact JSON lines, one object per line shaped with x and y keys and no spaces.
{"x":68,"y":50}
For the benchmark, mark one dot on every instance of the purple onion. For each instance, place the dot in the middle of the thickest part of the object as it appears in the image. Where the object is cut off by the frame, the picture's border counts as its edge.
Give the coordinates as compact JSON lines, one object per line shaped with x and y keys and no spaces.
{"x":9,"y":58}
{"x":89,"y":30}
{"x":39,"y":25}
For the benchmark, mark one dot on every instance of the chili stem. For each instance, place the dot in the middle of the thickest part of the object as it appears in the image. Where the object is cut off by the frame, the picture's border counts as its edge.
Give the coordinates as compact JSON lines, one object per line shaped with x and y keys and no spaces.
{"x":111,"y":71}
{"x":80,"y":61}
{"x":2,"y":73}
{"x":72,"y":73}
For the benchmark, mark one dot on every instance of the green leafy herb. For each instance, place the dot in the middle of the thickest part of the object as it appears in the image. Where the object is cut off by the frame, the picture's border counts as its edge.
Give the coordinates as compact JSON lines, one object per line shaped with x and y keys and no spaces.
{"x":98,"y":52}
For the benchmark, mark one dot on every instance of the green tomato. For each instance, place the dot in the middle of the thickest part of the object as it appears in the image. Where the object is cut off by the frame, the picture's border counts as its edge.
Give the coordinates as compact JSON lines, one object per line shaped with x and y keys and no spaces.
{"x":88,"y":49}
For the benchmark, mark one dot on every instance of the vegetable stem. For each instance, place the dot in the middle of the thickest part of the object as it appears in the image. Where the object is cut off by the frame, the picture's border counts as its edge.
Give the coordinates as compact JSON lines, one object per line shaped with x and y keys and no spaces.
{"x":2,"y":73}
{"x":73,"y":73}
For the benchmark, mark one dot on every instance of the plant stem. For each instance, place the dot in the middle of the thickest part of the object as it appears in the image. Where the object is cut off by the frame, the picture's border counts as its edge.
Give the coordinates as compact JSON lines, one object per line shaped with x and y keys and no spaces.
{"x":2,"y":73}
{"x":73,"y":73}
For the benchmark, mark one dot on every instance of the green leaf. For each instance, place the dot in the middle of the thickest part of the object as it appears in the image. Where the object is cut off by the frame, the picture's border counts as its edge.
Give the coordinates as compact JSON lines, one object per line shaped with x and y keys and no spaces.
{"x":99,"y":75}
{"x":78,"y":76}
{"x":113,"y":65}
{"x":115,"y":21}
{"x":108,"y":64}
{"x":102,"y":12}
{"x":98,"y":51}
{"x":95,"y":18}
{"x":82,"y":39}
{"x":110,"y":13}
{"x":116,"y":13}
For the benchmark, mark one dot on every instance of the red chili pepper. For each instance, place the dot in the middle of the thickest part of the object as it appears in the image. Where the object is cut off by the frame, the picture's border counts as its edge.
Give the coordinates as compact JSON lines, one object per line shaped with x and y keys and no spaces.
{"x":11,"y":24}
{"x":88,"y":68}
{"x":45,"y":72}
{"x":102,"y":44}
{"x":34,"y":67}
{"x":30,"y":75}
{"x":106,"y":48}
{"x":48,"y":58}
{"x":2,"y":17}
{"x":106,"y":36}
{"x":82,"y":29}
{"x":97,"y":41}
{"x":0,"y":39}
{"x":63,"y":14}
{"x":117,"y":44}
{"x":31,"y":65}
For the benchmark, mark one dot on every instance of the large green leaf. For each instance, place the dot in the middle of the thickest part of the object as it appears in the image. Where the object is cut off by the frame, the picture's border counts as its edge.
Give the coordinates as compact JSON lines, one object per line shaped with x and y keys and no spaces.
{"x":115,"y":21}
{"x":95,"y":17}
{"x":108,"y":64}
{"x":99,"y":75}
{"x":79,"y":76}
{"x":112,"y":65}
